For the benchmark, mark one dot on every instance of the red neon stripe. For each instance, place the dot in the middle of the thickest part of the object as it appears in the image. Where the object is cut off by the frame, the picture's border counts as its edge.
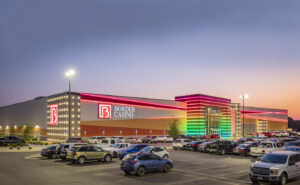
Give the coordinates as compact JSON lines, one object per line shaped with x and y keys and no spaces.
{"x":127,"y":101}
{"x":96,"y":101}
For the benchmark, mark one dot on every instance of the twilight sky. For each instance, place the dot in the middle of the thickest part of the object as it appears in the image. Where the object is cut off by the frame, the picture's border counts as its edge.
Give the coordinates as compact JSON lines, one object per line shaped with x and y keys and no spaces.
{"x":154,"y":49}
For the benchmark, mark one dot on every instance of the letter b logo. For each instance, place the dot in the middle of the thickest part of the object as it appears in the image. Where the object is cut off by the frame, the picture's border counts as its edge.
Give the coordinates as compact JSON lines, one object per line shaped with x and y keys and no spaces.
{"x":104,"y":111}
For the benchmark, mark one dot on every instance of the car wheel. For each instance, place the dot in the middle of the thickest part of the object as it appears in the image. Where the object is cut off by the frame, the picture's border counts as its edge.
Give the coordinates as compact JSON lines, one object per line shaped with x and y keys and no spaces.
{"x":63,"y":158}
{"x":222,"y":152}
{"x":166,"y":156}
{"x":81,"y":160}
{"x":167,"y":167}
{"x":126,"y":173}
{"x":175,"y":148}
{"x":141,"y":171}
{"x":107,"y":158}
{"x":283,"y":179}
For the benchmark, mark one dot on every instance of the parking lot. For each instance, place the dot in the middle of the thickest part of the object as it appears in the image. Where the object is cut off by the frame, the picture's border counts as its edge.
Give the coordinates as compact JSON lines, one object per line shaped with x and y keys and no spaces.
{"x":190,"y":167}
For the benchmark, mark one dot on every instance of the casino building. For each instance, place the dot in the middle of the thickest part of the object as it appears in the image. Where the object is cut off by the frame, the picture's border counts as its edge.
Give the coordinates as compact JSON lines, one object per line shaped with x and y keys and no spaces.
{"x":107,"y":115}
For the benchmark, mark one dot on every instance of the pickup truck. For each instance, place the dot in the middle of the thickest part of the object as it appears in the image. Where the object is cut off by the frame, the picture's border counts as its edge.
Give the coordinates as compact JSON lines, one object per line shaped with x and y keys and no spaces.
{"x":278,"y":167}
{"x":265,"y":147}
{"x":107,"y":142}
{"x":11,"y":140}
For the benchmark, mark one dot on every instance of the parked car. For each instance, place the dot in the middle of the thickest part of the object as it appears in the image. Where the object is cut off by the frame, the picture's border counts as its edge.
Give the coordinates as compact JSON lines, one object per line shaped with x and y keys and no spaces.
{"x":157,"y":150}
{"x":203,"y":146}
{"x":81,"y":154}
{"x":260,"y":139}
{"x":222,"y":147}
{"x":214,"y":136}
{"x":146,"y":162}
{"x":95,"y":139}
{"x":286,"y":140}
{"x":263,"y":148}
{"x":267,"y":134}
{"x":146,"y":139}
{"x":244,"y":140}
{"x":276,"y":167}
{"x":62,"y":149}
{"x":180,"y":144}
{"x":115,"y":147}
{"x":292,"y":143}
{"x":49,"y":152}
{"x":244,"y":149}
{"x":11,"y":140}
{"x":75,"y":140}
{"x":133,"y":140}
{"x":292,"y":148}
{"x":165,"y":139}
{"x":192,"y":146}
{"x":131,"y":149}
{"x":106,"y":142}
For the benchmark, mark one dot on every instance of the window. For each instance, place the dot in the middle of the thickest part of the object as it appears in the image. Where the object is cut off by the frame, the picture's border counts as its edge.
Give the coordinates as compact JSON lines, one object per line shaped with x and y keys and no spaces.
{"x":292,"y":159}
{"x":155,"y":157}
{"x":113,"y":141}
{"x":105,"y":141}
{"x":140,"y":146}
{"x":97,"y":149}
{"x":297,"y":158}
{"x":83,"y":149}
{"x":158,"y":149}
{"x":66,"y":146}
{"x":145,"y":157}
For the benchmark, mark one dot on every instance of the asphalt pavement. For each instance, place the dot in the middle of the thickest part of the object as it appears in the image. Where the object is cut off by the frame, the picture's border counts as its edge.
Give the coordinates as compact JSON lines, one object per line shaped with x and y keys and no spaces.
{"x":190,"y":168}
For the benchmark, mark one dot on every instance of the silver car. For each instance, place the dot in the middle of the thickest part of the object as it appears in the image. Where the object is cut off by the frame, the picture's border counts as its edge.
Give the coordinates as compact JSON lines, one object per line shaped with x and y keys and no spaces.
{"x":276,"y":167}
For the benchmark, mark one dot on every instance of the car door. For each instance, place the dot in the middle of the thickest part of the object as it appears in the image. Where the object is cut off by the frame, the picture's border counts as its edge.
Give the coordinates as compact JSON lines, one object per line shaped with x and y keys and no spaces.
{"x":297,"y":160}
{"x":97,"y":153}
{"x":292,"y":169}
{"x":156,"y":162}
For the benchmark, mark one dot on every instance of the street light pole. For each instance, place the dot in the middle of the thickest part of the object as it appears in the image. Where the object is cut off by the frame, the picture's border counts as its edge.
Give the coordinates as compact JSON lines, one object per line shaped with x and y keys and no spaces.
{"x":69,"y":74}
{"x":244,"y":96}
{"x":69,"y":108}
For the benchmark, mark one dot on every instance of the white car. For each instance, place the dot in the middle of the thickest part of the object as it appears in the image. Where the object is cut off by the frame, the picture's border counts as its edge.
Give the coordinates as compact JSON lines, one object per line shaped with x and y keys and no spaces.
{"x":157,"y":150}
{"x":165,"y":139}
{"x":115,"y":147}
{"x":180,"y":143}
{"x":133,"y":140}
{"x":108,"y":142}
{"x":95,"y":139}
{"x":285,"y":134}
{"x":263,"y":148}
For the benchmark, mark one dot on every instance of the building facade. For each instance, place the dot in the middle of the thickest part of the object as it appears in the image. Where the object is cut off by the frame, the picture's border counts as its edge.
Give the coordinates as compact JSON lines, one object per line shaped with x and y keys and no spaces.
{"x":60,"y":116}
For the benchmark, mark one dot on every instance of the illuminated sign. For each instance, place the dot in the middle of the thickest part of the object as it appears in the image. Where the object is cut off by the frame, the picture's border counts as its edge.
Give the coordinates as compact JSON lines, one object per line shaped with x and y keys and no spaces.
{"x":54,"y":114}
{"x":124,"y":112}
{"x":104,"y":111}
{"x":108,"y":111}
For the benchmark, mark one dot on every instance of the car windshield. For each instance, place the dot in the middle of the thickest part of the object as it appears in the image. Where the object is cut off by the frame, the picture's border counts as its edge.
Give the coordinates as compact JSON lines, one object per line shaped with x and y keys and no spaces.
{"x":243,"y":146}
{"x":115,"y":145}
{"x":146,"y":149}
{"x":273,"y":158}
{"x":292,"y":149}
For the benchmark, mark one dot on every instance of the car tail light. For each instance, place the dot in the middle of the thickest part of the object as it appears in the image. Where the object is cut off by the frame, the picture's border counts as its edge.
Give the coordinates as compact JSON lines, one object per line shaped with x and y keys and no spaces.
{"x":263,"y":151}
{"x":74,"y":153}
{"x":241,"y":150}
{"x":133,"y":162}
{"x":234,"y":149}
{"x":193,"y":145}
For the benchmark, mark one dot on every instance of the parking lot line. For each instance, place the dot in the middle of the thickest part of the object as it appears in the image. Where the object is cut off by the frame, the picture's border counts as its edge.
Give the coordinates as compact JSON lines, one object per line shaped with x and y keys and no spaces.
{"x":232,"y":173}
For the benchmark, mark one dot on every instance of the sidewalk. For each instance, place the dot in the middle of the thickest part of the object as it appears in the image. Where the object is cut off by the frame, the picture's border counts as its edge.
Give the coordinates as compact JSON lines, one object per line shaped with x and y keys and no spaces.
{"x":34,"y":148}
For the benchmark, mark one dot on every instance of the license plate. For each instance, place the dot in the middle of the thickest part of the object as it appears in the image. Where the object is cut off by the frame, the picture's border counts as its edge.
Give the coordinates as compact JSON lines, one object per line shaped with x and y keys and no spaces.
{"x":260,"y":178}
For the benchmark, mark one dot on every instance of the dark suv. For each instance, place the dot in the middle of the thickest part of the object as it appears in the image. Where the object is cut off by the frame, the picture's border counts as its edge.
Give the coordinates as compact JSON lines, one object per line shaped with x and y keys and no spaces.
{"x":192,"y":146}
{"x":222,"y":147}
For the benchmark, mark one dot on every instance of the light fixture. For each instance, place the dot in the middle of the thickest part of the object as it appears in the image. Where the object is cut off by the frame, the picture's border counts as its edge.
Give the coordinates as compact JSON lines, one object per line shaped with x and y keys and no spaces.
{"x":70,"y":73}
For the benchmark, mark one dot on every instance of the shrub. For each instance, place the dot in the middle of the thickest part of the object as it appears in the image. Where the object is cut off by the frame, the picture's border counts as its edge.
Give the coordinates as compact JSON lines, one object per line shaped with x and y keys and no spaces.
{"x":46,"y":143}
{"x":14,"y":145}
{"x":8,"y":145}
{"x":174,"y":131}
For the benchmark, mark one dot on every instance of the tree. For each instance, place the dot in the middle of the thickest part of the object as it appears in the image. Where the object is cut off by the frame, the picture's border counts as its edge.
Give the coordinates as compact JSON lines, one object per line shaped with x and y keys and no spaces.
{"x":174,"y":131}
{"x":26,"y":132}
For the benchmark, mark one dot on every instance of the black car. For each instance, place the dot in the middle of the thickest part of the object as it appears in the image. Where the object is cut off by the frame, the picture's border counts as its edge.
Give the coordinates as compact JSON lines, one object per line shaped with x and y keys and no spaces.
{"x":49,"y":152}
{"x":244,"y":140}
{"x":11,"y":140}
{"x":244,"y":149}
{"x":192,"y":146}
{"x":75,"y":140}
{"x":222,"y":147}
